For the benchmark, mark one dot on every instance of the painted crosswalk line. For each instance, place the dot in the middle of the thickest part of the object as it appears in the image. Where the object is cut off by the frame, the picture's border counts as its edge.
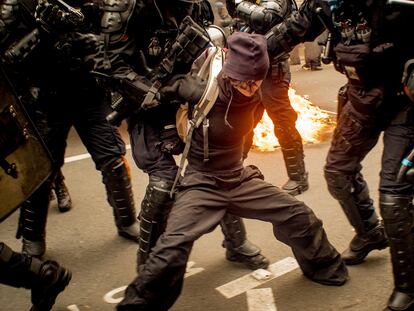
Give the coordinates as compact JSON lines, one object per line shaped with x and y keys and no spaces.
{"x":260,"y":299}
{"x":248,"y":281}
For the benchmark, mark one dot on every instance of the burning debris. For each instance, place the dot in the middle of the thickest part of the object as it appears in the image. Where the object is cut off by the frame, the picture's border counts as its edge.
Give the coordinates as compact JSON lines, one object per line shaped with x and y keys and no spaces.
{"x":314,"y":124}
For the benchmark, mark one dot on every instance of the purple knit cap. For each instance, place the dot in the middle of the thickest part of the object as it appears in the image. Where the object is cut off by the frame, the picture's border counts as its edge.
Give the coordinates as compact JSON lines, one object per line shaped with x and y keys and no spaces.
{"x":247,"y":57}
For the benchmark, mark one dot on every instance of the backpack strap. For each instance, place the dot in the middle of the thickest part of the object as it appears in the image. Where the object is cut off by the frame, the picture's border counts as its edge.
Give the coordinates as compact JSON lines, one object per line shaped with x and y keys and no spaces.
{"x":210,"y":70}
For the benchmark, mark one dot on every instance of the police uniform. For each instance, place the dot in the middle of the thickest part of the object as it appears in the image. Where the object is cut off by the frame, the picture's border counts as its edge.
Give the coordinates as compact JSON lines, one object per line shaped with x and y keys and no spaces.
{"x":138,"y":37}
{"x":62,"y":94}
{"x":275,"y":93}
{"x":370,"y":49}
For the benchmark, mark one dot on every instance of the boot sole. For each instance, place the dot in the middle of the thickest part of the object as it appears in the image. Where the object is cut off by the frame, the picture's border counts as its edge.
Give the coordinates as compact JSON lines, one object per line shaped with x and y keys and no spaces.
{"x":297,"y":191}
{"x":242,"y":260}
{"x":128,"y":236}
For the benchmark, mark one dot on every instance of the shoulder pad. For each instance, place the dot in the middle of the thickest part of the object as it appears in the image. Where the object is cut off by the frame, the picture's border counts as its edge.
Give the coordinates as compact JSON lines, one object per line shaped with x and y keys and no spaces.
{"x":116,"y":17}
{"x":117,"y":5}
{"x":8,"y":8}
{"x":281,"y":8}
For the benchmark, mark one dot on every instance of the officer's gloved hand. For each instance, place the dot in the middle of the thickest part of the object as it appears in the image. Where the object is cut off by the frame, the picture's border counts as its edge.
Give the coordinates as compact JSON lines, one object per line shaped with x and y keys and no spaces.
{"x":188,"y":88}
{"x":154,"y":100}
{"x":89,"y":46}
{"x":52,"y":18}
{"x":192,"y":88}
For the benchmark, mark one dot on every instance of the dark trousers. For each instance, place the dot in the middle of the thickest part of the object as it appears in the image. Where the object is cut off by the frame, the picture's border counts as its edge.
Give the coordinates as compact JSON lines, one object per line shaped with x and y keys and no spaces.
{"x":358,"y":132}
{"x":200,"y":205}
{"x":145,"y":137}
{"x":85,"y":109}
{"x":54,"y":113}
{"x":276,"y":102}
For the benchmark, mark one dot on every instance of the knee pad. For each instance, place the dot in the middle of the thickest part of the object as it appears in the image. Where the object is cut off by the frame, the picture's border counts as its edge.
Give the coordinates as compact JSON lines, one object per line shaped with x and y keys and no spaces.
{"x":339,"y":184}
{"x":397,"y":212}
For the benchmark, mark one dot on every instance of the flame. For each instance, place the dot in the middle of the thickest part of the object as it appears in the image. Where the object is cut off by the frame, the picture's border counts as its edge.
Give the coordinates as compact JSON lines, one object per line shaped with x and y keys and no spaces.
{"x":314,"y":124}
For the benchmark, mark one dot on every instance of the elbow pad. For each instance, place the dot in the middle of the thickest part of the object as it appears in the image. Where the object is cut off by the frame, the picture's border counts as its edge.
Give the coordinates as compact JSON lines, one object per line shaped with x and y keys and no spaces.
{"x":261,"y":18}
{"x":277,"y":45}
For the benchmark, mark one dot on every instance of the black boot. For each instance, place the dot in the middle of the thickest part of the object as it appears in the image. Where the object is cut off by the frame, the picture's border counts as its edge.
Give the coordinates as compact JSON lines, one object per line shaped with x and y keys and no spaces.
{"x":155,"y":208}
{"x":62,"y":194}
{"x":238,"y":248}
{"x":400,"y":301}
{"x":32,"y":223}
{"x":362,"y":244}
{"x":45,"y":279}
{"x":292,"y":149}
{"x":397,"y":212}
{"x":50,"y":279}
{"x":119,"y":192}
{"x":352,"y":193}
{"x":295,"y":166}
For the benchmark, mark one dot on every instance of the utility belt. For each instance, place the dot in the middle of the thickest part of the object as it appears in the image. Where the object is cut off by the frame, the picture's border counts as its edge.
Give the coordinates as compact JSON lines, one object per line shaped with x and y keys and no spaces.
{"x":364,"y":65}
{"x":405,"y":116}
{"x":280,"y":71}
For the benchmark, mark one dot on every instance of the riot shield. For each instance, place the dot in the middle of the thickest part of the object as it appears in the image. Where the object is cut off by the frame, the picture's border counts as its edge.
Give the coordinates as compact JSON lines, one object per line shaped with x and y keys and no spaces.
{"x":24,"y":160}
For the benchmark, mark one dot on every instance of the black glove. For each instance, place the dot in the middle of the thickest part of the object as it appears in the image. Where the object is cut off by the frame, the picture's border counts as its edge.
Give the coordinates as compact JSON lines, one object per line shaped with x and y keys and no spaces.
{"x":170,"y":141}
{"x":53,"y":18}
{"x":190,"y":88}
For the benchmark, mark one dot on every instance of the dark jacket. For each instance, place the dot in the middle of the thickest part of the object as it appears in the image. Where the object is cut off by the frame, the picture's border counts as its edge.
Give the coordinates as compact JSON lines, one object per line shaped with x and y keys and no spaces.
{"x":225,"y":139}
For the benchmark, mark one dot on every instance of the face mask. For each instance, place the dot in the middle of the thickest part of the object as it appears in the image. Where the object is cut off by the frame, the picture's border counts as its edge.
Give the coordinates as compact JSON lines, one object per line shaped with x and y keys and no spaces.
{"x":247,"y":88}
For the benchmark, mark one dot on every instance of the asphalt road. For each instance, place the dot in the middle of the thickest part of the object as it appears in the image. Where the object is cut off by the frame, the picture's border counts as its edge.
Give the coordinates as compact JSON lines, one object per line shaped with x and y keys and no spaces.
{"x":102,"y":263}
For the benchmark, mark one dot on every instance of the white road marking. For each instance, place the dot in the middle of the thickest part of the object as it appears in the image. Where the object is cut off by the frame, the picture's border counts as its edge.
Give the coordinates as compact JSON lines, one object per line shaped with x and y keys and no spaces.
{"x":109,"y":296}
{"x":190,"y":270}
{"x":84,"y":156}
{"x":248,"y":282}
{"x":260,"y":299}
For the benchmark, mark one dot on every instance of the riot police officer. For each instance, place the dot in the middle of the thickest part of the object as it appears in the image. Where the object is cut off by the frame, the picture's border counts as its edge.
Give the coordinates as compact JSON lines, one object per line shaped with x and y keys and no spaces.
{"x":24,"y":165}
{"x":367,"y":44}
{"x":46,"y":60}
{"x":144,"y":43}
{"x":259,"y":17}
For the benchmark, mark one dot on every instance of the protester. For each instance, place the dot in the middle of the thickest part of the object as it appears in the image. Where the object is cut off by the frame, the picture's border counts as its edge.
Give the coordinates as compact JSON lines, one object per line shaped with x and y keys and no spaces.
{"x":210,"y":189}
